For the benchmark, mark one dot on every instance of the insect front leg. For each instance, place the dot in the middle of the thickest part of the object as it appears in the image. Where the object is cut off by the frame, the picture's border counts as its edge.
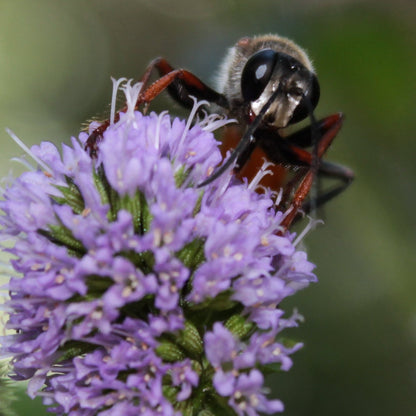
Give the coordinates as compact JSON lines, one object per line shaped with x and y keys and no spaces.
{"x":181,"y":85}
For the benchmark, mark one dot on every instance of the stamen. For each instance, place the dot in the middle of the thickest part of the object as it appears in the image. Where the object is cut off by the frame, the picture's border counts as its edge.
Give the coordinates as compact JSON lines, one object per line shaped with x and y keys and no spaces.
{"x":23,"y":162}
{"x":195,"y":108}
{"x":262,"y":172}
{"x":132,"y":94}
{"x":19,"y":142}
{"x":212,"y":122}
{"x":310,"y":226}
{"x":157,"y":133}
{"x":116,"y":84}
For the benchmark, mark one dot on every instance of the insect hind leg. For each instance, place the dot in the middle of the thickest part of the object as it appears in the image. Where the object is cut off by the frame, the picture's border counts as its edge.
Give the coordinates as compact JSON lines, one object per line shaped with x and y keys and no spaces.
{"x":343,"y":174}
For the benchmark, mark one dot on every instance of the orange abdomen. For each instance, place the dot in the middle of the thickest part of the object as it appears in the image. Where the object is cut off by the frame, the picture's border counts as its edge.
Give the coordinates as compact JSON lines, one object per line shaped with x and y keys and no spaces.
{"x":231,"y":137}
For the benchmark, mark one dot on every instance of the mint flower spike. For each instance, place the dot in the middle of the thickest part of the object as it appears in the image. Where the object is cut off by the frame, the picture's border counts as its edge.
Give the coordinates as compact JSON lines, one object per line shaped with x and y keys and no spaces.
{"x":134,"y":291}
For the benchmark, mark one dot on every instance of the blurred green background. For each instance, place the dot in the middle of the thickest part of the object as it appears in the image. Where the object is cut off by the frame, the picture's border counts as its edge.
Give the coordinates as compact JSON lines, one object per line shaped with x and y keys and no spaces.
{"x":56,"y":59}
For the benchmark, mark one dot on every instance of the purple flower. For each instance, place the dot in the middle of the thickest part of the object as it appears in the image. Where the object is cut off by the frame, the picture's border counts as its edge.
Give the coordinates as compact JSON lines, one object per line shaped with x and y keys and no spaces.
{"x":247,"y":398}
{"x":135,"y":291}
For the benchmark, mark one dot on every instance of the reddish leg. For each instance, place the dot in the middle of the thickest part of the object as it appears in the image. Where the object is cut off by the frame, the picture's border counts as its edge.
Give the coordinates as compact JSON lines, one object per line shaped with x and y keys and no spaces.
{"x":332,"y":125}
{"x":181,"y":84}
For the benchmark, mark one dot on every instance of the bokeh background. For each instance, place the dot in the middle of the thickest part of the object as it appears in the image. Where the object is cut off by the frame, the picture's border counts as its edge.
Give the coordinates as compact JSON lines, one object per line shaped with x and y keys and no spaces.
{"x":56,"y":59}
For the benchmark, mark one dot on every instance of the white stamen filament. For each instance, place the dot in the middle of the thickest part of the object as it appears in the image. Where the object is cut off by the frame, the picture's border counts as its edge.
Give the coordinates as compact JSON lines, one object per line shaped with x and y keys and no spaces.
{"x":23,"y":162}
{"x":157,"y":133}
{"x":212,"y":122}
{"x":19,"y":142}
{"x":132,"y":94}
{"x":196,"y":106}
{"x":310,"y":226}
{"x":116,"y":85}
{"x":260,"y":175}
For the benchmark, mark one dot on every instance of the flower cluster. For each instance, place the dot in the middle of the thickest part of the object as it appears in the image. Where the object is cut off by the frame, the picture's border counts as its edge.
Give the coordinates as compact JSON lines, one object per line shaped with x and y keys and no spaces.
{"x":138,"y":292}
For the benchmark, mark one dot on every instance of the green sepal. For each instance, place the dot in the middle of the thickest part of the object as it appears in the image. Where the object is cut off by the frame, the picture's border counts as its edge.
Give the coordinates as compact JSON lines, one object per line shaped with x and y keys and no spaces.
{"x":72,"y":349}
{"x":198,"y":204}
{"x":144,"y":260}
{"x":181,"y":175}
{"x":190,"y":340}
{"x":205,"y":412}
{"x":134,"y":206}
{"x":169,"y":351}
{"x":218,"y":405}
{"x":102,"y":185}
{"x":146,"y":216}
{"x":71,"y":196}
{"x":97,"y":285}
{"x":287,"y":342}
{"x":192,"y":254}
{"x":169,"y":391}
{"x":62,"y":236}
{"x":271,"y":368}
{"x":107,"y":193}
{"x":197,"y":367}
{"x":239,"y":326}
{"x":222,"y":302}
{"x":186,"y":407}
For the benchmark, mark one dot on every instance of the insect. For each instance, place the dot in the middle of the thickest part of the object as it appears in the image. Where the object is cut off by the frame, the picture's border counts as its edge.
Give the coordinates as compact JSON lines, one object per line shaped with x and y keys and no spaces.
{"x":267,"y":83}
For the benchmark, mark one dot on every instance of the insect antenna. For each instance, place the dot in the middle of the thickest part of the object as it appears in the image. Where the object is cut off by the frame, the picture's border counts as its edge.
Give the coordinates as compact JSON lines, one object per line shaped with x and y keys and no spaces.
{"x":245,"y":141}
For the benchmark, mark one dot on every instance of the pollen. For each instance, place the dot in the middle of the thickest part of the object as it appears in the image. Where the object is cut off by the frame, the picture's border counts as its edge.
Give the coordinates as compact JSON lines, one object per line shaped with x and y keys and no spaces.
{"x":264,"y":241}
{"x":86,"y":212}
{"x":238,"y":256}
{"x":60,"y":279}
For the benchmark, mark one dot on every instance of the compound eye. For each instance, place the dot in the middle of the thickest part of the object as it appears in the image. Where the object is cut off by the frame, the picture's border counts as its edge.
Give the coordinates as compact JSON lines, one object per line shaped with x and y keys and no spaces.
{"x":257,"y":73}
{"x":308,"y":102}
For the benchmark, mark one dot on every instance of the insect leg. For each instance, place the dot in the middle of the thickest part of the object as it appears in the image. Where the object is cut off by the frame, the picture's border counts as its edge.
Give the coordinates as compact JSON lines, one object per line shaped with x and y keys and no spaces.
{"x":181,"y":85}
{"x":304,"y":137}
{"x":331,"y":170}
{"x":306,"y":158}
{"x":186,"y":85}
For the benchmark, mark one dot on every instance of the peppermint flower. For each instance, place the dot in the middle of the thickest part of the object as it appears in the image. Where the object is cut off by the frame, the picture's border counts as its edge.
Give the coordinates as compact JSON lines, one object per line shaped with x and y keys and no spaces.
{"x":136,"y":292}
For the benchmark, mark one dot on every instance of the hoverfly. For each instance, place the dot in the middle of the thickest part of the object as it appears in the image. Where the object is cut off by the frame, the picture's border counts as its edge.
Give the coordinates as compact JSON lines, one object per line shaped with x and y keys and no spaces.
{"x":267,"y":83}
